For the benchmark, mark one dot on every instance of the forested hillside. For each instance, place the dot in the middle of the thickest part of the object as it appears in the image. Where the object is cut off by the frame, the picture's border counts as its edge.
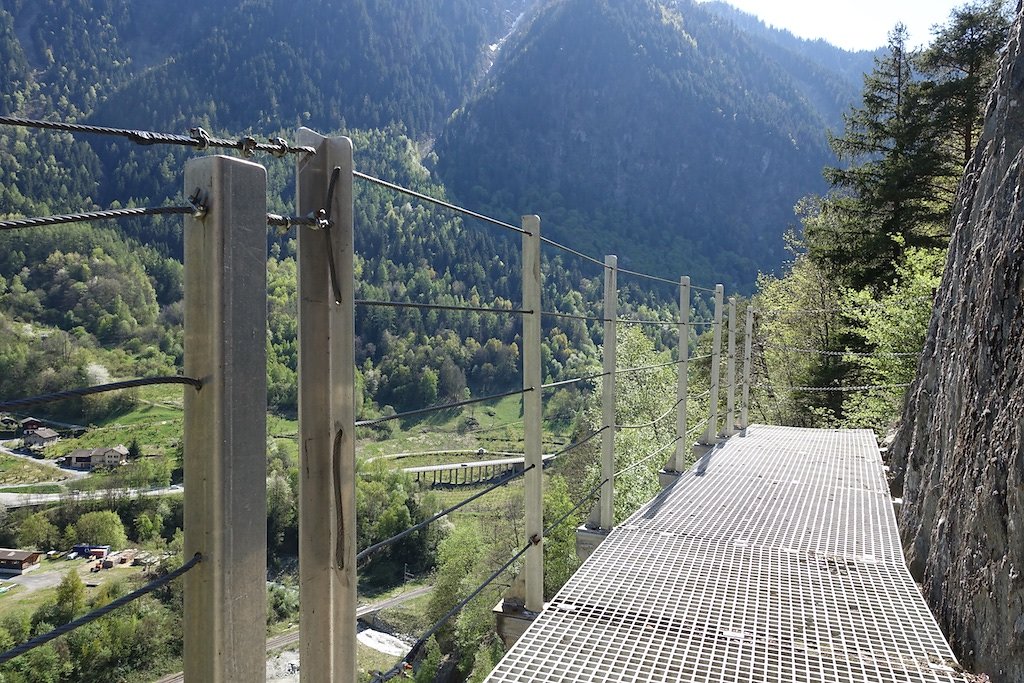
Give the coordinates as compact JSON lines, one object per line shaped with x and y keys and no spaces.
{"x":663,"y":133}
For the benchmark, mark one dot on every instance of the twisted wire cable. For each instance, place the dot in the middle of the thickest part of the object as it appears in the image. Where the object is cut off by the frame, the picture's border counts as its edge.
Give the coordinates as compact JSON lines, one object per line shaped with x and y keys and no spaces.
{"x":16,"y":404}
{"x":107,"y":214}
{"x":197,"y":137}
{"x":97,"y":613}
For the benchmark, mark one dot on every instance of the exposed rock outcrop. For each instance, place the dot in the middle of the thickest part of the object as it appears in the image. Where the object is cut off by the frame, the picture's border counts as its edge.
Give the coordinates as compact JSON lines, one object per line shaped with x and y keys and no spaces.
{"x":958,"y":458}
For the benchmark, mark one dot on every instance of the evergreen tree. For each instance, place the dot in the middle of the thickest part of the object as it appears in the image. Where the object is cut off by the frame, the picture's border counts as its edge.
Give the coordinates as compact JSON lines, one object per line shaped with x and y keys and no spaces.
{"x":960,"y":63}
{"x":896,"y":191}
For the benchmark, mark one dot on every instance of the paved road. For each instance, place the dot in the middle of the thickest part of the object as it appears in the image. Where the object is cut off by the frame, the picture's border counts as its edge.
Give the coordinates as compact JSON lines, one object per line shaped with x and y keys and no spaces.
{"x":16,"y":500}
{"x":284,"y":640}
{"x":71,"y":474}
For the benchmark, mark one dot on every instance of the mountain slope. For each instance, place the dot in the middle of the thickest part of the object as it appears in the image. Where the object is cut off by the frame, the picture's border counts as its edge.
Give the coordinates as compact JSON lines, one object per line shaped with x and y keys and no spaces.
{"x":663,"y":134}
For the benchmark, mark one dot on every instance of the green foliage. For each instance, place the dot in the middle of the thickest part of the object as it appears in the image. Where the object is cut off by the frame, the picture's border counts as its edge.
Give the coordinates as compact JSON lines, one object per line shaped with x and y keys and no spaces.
{"x":103,"y":527}
{"x":897,"y":191}
{"x":36,"y":531}
{"x":850,"y":316}
{"x":560,"y":559}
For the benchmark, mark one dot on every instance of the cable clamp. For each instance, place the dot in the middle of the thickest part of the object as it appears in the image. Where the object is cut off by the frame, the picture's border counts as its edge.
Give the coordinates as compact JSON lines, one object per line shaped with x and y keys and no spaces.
{"x":200,"y":136}
{"x":280,"y":147}
{"x":199,"y":208}
{"x":247,"y":145}
{"x":535,"y":539}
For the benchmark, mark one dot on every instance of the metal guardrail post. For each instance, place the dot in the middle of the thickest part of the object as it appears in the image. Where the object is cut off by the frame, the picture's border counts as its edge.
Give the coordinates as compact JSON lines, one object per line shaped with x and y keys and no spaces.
{"x":532,"y":413}
{"x":682,"y":383}
{"x":730,"y":365}
{"x":327,"y":523}
{"x":225,"y":422}
{"x":710,"y":436}
{"x":611,"y":312}
{"x":748,"y":340}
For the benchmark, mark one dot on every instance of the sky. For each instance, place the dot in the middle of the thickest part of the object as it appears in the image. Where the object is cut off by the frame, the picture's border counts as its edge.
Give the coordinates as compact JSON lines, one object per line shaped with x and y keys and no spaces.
{"x":854,"y":25}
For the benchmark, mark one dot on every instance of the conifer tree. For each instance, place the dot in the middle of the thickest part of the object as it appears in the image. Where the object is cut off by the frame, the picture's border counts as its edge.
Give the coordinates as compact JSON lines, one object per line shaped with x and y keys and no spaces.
{"x":895,"y":191}
{"x":960,"y":63}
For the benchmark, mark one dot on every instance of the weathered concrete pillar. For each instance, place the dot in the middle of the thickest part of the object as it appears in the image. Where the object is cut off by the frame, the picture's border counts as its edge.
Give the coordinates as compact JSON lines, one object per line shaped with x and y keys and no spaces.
{"x":225,"y":422}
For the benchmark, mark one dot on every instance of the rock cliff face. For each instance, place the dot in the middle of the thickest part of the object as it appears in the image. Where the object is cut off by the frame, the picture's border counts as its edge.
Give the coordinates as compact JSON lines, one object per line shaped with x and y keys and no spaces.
{"x":958,"y":459}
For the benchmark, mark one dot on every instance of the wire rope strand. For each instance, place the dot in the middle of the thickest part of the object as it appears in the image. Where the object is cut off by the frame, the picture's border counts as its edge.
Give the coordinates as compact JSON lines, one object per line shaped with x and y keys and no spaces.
{"x":441,"y":307}
{"x":570,"y":250}
{"x":416,"y":527}
{"x":634,"y":321}
{"x":653,"y":422}
{"x":197,"y":137}
{"x":565,"y":382}
{"x":97,"y":389}
{"x":577,"y":444}
{"x":856,"y":354}
{"x":434,"y":409}
{"x":107,"y":214}
{"x":439,"y":202}
{"x":102,"y":611}
{"x":583,"y":501}
{"x":414,"y":652}
{"x":861,"y":387}
{"x":649,"y":457}
{"x":627,"y":371}
{"x":575,"y":316}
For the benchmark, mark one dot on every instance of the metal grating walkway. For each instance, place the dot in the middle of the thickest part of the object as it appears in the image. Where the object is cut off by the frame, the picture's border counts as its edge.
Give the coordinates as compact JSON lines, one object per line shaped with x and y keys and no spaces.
{"x":775,"y":558}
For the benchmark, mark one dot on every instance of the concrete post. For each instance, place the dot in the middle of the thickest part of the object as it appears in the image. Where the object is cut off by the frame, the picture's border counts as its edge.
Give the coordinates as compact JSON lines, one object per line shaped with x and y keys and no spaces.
{"x":611,"y":312}
{"x":748,"y":340}
{"x":327,"y":524}
{"x":225,"y":422}
{"x":730,"y":372}
{"x":532,"y":413}
{"x":682,"y":383}
{"x":710,"y":436}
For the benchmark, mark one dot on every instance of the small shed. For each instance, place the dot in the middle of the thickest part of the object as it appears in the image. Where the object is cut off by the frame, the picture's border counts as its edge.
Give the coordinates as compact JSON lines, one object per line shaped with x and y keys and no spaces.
{"x":30,"y":423}
{"x":18,"y":561}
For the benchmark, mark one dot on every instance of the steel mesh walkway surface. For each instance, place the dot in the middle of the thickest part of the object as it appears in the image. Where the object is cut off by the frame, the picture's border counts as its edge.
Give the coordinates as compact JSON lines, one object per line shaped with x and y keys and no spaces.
{"x":775,"y":558}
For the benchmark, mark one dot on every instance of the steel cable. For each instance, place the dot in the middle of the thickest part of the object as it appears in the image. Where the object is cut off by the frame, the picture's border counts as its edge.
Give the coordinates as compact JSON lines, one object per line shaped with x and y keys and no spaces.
{"x":441,"y":307}
{"x":107,"y":214}
{"x":649,"y":457}
{"x":856,"y":354}
{"x":572,"y":251}
{"x":422,"y":640}
{"x":627,"y":371}
{"x":439,"y":202}
{"x":434,"y":409}
{"x":97,"y":389}
{"x":564,"y":382}
{"x":862,"y":387}
{"x":197,"y":137}
{"x":102,"y":611}
{"x":653,"y":422}
{"x":416,"y":527}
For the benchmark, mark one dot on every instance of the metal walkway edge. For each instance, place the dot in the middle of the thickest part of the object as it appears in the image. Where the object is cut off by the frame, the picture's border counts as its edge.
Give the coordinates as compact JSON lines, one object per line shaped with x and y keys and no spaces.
{"x":775,"y":558}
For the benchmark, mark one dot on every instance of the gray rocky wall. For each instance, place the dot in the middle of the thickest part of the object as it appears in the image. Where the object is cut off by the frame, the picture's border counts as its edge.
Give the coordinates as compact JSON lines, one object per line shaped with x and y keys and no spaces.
{"x":958,"y":457}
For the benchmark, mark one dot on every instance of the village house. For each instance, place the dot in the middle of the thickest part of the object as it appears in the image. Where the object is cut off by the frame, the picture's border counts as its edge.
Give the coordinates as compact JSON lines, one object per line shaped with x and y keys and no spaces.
{"x":39,"y":437}
{"x":18,"y":561}
{"x":89,"y":459}
{"x":29,"y":424}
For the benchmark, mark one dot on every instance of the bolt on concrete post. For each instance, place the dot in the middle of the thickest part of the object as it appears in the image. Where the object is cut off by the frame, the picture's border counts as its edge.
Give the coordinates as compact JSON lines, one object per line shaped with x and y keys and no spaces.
{"x":748,"y":340}
{"x":710,"y":436}
{"x":532,"y":413}
{"x":682,"y":383}
{"x":225,"y":422}
{"x":606,"y":504}
{"x":730,"y":365}
{"x":327,"y":512}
